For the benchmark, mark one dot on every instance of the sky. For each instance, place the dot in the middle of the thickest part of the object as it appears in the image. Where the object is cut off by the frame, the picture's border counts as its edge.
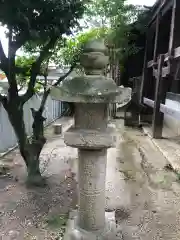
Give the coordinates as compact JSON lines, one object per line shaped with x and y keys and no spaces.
{"x":138,"y":2}
{"x":142,"y":2}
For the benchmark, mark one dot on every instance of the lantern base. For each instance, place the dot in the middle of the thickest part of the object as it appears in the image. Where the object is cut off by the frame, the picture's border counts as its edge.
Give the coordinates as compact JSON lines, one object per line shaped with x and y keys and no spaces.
{"x":73,"y":232}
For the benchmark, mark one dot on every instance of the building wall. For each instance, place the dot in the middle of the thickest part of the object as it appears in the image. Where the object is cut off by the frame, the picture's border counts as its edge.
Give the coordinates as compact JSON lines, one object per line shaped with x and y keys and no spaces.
{"x":53,"y":110}
{"x":173,"y":101}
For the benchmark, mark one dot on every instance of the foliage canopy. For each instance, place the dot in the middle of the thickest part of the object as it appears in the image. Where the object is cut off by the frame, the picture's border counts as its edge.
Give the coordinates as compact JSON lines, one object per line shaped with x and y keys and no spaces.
{"x":38,"y":24}
{"x":120,"y":24}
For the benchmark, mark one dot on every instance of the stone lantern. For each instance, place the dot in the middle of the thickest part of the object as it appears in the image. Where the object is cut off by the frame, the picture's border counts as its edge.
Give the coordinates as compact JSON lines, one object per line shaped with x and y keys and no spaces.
{"x":91,"y":93}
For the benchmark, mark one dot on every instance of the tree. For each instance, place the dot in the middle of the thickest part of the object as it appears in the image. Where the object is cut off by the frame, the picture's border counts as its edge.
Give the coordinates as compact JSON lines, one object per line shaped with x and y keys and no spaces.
{"x":132,"y":63}
{"x":69,"y":55}
{"x":125,"y":23}
{"x":42,"y":22}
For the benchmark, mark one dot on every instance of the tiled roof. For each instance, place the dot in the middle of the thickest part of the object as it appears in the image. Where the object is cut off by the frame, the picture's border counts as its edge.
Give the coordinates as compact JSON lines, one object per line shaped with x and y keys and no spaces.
{"x":2,"y":76}
{"x":161,"y":5}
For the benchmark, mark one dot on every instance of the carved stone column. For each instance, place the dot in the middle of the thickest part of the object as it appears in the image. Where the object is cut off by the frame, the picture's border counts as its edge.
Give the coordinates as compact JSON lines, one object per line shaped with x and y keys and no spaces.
{"x":91,"y":95}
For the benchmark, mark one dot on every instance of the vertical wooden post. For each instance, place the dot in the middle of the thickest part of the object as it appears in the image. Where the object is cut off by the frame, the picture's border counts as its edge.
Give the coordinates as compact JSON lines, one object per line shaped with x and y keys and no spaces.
{"x":146,"y":114}
{"x":172,"y":30}
{"x":172,"y":63}
{"x":146,"y":77}
{"x":156,"y":38}
{"x":144,"y":73}
{"x":160,"y":96}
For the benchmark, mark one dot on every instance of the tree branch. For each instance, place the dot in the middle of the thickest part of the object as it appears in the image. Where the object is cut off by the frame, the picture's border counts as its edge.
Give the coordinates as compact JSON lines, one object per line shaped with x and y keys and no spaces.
{"x":2,"y":67}
{"x":43,"y":84}
{"x":21,"y":87}
{"x":46,"y":74}
{"x":3,"y":59}
{"x":2,"y":54}
{"x":64,"y":76}
{"x":47,"y":92}
{"x":20,"y":40}
{"x":11,"y":75}
{"x":36,"y":69}
{"x":3,"y":100}
{"x":21,"y":70}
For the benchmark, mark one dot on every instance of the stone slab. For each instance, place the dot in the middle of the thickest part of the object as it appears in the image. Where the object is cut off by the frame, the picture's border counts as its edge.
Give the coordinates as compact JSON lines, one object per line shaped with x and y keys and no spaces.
{"x":168,"y":146}
{"x":90,"y":139}
{"x":118,"y":94}
{"x":57,"y":128}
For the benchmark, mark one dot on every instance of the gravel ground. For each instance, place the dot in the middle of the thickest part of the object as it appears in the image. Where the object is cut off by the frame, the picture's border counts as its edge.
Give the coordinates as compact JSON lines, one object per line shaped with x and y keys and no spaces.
{"x":145,"y":195}
{"x":152,"y":193}
{"x":39,"y":213}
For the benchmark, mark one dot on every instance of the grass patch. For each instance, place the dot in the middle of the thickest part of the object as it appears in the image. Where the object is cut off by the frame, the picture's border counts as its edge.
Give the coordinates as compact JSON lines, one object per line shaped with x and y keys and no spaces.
{"x":57,"y":221}
{"x":178,"y":176}
{"x":128,"y":174}
{"x":169,"y":167}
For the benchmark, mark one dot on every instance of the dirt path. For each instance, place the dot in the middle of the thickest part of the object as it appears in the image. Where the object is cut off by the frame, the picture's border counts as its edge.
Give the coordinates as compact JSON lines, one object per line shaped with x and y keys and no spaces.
{"x":151,"y":210}
{"x":147,"y":197}
{"x":39,"y":213}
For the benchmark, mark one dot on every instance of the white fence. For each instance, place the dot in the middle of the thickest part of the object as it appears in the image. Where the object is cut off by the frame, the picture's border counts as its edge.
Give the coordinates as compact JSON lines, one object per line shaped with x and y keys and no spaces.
{"x":53,"y":110}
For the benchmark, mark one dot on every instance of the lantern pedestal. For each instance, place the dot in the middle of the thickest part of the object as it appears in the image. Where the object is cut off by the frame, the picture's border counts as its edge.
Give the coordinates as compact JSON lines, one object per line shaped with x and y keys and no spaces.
{"x":91,"y":95}
{"x":92,"y":138}
{"x":74,"y":232}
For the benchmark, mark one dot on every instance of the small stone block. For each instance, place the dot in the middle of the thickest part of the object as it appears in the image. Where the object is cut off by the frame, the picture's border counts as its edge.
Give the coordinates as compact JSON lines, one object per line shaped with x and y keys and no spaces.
{"x":57,"y":129}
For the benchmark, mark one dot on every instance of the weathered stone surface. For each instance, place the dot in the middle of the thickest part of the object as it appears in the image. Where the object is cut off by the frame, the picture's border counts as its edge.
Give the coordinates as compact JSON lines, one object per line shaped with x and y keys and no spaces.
{"x":91,"y":89}
{"x":91,"y":116}
{"x":93,"y":62}
{"x":90,"y":139}
{"x":97,"y":46}
{"x":91,"y":94}
{"x":92,"y":173}
{"x":90,"y":131}
{"x":74,"y":232}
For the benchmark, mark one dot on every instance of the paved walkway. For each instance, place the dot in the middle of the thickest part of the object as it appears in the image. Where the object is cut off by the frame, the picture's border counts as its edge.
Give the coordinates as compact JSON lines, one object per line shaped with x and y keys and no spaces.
{"x":168,"y":146}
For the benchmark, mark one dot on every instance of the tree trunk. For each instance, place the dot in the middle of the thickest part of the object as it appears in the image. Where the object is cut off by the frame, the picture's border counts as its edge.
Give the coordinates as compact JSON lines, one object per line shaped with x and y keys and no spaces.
{"x":36,"y":146}
{"x":34,"y":177}
{"x":30,"y":149}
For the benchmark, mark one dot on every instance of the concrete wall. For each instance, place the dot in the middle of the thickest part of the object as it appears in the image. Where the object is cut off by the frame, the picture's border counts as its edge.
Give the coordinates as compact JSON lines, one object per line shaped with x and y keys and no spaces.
{"x":173,"y":101}
{"x":53,"y":110}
